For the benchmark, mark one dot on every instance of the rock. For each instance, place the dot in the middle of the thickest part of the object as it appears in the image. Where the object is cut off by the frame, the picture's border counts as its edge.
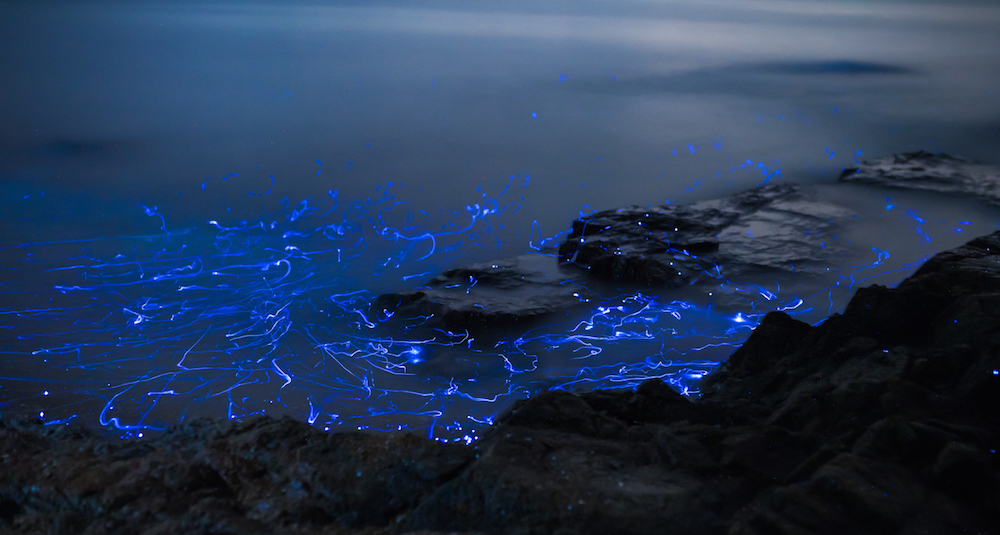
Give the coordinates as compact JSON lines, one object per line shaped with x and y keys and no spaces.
{"x":260,"y":476}
{"x":767,"y":233}
{"x":769,"y":229}
{"x":851,"y":494}
{"x":963,"y":469}
{"x":826,"y":429}
{"x":545,"y":481}
{"x":932,"y":172}
{"x":489,"y":294}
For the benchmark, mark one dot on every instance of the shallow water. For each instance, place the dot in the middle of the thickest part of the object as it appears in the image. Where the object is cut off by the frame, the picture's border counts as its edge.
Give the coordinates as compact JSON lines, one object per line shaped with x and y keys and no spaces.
{"x":328,"y":144}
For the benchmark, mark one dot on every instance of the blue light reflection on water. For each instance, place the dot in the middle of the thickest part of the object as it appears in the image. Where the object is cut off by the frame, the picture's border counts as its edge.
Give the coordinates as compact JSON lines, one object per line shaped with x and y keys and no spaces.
{"x":271,"y":316}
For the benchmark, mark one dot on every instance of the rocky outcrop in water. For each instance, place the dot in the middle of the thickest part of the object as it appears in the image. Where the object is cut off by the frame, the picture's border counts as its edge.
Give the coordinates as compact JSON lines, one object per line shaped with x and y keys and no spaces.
{"x":932,"y":172}
{"x":508,"y":291}
{"x":885,"y":419}
{"x":768,"y":230}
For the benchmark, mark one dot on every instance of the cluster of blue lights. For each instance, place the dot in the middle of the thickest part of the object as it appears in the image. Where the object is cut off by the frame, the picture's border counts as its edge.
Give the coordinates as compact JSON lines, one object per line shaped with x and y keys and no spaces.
{"x":273,"y":316}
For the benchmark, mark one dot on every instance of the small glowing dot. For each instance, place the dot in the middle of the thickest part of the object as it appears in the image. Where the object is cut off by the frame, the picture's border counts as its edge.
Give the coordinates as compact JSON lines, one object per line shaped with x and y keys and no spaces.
{"x":45,"y":393}
{"x":996,"y":372}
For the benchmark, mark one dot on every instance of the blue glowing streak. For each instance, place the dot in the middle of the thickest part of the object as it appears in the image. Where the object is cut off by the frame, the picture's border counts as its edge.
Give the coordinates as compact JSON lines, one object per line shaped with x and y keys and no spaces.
{"x":252,"y":317}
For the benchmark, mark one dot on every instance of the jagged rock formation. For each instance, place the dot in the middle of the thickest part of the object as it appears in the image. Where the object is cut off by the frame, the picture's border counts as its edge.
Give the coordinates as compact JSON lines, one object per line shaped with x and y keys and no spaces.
{"x":932,"y":172}
{"x":885,"y":419}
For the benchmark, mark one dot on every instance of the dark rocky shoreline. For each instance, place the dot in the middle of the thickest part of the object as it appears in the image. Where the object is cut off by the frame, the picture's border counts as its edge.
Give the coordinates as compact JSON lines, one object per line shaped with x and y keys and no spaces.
{"x":884,"y":419}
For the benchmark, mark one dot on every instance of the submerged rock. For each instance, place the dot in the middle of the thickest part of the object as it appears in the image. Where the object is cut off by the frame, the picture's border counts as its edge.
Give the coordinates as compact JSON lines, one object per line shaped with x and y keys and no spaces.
{"x":932,"y":172}
{"x":769,"y":229}
{"x":885,"y":419}
{"x":489,"y":294}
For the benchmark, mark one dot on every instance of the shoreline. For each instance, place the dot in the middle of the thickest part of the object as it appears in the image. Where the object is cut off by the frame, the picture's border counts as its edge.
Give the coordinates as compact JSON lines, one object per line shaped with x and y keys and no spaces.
{"x":882,"y":419}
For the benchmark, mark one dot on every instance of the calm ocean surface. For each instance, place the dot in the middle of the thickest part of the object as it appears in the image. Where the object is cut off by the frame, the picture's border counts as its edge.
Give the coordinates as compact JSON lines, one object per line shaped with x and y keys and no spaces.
{"x":150,"y":149}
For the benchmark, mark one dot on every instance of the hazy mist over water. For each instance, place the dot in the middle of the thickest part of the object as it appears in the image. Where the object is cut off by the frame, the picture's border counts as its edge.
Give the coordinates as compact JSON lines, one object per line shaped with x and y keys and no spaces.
{"x":216,"y":111}
{"x":128,"y":102}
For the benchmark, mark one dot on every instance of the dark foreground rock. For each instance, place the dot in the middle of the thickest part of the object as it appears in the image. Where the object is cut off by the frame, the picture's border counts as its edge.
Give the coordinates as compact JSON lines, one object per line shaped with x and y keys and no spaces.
{"x":763,"y":232}
{"x":262,"y":476}
{"x":931,"y":172}
{"x":885,"y":419}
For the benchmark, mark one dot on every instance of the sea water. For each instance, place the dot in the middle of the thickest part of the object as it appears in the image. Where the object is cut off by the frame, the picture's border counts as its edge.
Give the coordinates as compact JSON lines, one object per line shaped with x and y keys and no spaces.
{"x":200,"y":198}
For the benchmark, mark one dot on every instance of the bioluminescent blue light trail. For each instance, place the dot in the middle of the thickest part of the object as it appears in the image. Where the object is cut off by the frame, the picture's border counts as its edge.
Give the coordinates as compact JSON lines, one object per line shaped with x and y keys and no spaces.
{"x":272,"y":316}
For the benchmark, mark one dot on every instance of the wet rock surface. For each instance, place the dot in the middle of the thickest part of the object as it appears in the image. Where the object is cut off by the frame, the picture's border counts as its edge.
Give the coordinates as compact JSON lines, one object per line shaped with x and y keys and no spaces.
{"x":766,"y":231}
{"x":769,"y":230}
{"x":885,"y":419}
{"x":488,"y":294}
{"x":932,"y":172}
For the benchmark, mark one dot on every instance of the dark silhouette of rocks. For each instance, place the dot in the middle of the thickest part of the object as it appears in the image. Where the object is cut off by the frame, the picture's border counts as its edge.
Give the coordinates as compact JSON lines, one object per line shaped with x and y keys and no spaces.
{"x":766,"y":233}
{"x":885,"y":419}
{"x":261,"y":476}
{"x":932,"y":172}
